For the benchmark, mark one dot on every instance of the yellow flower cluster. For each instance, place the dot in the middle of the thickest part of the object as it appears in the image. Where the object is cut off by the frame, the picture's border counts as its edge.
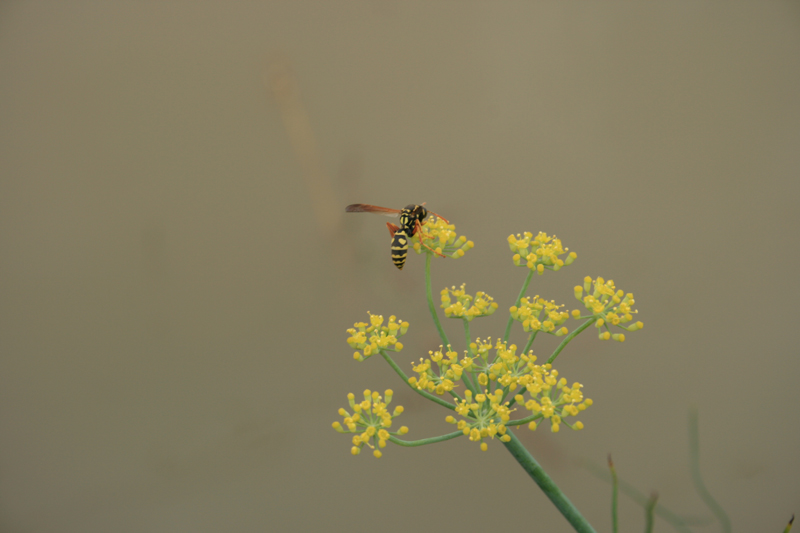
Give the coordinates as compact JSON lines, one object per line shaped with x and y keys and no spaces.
{"x":488,"y":415}
{"x":540,"y":252}
{"x":369,"y":338}
{"x":569,"y":400}
{"x":611,"y":307}
{"x":530,"y":311}
{"x":466,"y":306}
{"x":440,"y":236}
{"x":370,"y":420}
{"x":448,"y":370}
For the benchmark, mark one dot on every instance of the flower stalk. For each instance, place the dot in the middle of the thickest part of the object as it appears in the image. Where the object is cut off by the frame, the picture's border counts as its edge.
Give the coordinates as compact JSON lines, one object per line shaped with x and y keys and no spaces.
{"x":548,"y":486}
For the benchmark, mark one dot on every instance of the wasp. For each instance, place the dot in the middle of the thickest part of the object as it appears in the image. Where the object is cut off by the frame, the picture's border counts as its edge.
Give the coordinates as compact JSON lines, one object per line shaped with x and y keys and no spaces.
{"x":411,"y":218}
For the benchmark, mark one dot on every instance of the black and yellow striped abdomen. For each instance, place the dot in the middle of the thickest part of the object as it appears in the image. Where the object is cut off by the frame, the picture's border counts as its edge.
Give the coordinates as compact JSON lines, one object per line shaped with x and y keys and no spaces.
{"x":399,"y":248}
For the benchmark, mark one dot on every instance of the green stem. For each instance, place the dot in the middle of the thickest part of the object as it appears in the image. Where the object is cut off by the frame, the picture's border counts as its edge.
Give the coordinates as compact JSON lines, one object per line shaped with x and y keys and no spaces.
{"x":614,"y":494}
{"x":528,"y":419}
{"x":530,"y":341}
{"x":423,"y":393}
{"x":700,"y":487}
{"x":466,"y":375}
{"x":548,"y":486}
{"x":521,"y":294}
{"x":678,"y":522}
{"x":651,"y":505}
{"x":423,"y":442}
{"x":432,"y":308}
{"x":570,"y":337}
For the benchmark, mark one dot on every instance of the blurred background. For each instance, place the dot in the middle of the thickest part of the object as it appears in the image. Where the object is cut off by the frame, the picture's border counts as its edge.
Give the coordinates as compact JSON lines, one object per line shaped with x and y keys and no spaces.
{"x":177,"y":271}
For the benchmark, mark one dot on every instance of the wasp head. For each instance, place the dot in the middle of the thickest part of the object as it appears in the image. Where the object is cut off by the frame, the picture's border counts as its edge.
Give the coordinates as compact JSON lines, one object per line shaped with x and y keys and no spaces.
{"x":416,"y":212}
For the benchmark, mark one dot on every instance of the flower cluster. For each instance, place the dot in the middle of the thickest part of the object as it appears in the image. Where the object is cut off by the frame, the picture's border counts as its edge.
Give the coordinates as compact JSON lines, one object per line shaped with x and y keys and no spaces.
{"x":440,"y":236}
{"x":466,"y":306}
{"x":530,"y":311}
{"x":369,"y":338}
{"x":448,"y":370}
{"x":610,"y":306}
{"x":540,"y":252}
{"x":568,"y":400}
{"x":370,"y":420}
{"x":488,"y":415}
{"x":488,"y":381}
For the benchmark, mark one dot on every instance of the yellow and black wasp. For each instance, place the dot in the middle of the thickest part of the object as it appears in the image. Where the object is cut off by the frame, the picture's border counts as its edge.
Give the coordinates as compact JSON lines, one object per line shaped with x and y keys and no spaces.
{"x":411,"y":218}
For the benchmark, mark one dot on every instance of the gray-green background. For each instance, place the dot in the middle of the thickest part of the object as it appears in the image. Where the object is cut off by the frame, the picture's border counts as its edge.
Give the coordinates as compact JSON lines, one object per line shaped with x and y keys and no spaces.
{"x":176,"y":270}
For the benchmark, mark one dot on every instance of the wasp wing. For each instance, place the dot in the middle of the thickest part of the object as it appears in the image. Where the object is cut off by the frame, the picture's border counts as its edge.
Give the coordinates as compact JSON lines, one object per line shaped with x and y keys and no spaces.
{"x":367,"y":208}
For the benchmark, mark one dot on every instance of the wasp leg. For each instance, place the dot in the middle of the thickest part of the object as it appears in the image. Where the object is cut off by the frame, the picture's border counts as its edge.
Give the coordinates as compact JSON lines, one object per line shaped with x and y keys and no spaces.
{"x":418,"y":229}
{"x":439,"y":216}
{"x":392,"y":228}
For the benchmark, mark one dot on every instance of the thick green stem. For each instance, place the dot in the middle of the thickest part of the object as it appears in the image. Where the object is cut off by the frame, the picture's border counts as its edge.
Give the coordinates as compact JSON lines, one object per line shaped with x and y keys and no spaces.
{"x":521,"y":294}
{"x":423,"y":442}
{"x":432,"y":308}
{"x":570,"y":337}
{"x":402,"y":374}
{"x":548,"y":486}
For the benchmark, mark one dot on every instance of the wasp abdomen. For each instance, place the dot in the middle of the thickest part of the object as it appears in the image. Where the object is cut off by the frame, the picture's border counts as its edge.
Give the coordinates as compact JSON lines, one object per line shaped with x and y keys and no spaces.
{"x":399,"y":248}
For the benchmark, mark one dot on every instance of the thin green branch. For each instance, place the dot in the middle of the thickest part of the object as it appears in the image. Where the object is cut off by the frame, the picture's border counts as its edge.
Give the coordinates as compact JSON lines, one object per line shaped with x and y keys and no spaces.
{"x":521,"y":294}
{"x":526,"y":420}
{"x":789,"y":525}
{"x":530,"y":341}
{"x":570,"y":337}
{"x":614,"y":495}
{"x":402,"y":374}
{"x":423,"y":442}
{"x":697,"y":478}
{"x":432,"y":308}
{"x":678,"y":522}
{"x":648,"y":513}
{"x":466,"y":375}
{"x":455,"y":396}
{"x":548,"y":486}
